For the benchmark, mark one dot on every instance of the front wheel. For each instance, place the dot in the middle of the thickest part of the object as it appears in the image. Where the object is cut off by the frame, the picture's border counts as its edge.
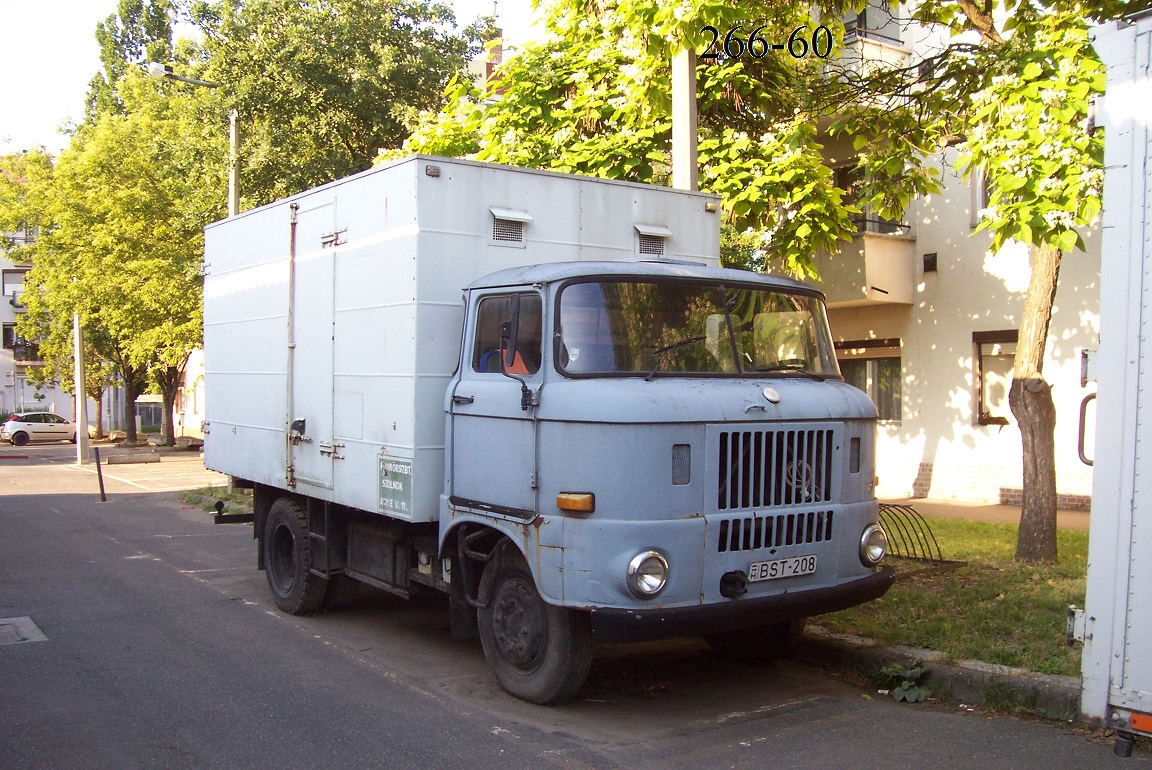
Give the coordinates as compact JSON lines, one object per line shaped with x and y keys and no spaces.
{"x":539,"y":653}
{"x":288,"y":559}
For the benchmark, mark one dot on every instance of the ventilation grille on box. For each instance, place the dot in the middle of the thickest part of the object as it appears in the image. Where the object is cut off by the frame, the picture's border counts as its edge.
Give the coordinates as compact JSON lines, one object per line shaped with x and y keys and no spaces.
{"x":507,"y":230}
{"x":651,"y":244}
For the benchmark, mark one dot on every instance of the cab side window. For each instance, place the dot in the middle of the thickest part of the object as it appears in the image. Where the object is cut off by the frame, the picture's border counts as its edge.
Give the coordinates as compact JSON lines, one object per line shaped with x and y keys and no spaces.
{"x":490,"y":314}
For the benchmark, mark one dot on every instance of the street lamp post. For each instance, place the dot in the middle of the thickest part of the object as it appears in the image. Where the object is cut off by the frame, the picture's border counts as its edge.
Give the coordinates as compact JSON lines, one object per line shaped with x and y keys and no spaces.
{"x":81,"y":392}
{"x":158,"y":70}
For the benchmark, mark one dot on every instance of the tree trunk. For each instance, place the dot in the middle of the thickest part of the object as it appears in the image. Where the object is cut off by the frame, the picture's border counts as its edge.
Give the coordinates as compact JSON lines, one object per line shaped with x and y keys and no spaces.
{"x":100,"y":416}
{"x":169,"y":379}
{"x":98,"y":397}
{"x":1031,"y":400}
{"x":132,"y":389}
{"x":169,"y":383}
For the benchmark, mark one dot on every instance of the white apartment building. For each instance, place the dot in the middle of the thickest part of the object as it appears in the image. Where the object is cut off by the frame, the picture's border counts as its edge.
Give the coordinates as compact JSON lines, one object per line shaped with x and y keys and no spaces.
{"x":18,"y":356}
{"x":925,"y":319}
{"x":18,"y":393}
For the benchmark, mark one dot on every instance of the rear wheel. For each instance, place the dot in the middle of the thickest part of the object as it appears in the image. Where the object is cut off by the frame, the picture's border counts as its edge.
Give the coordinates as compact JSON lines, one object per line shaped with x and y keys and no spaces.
{"x":539,"y":652}
{"x":19,"y":439}
{"x":288,"y":559}
{"x":758,"y":645}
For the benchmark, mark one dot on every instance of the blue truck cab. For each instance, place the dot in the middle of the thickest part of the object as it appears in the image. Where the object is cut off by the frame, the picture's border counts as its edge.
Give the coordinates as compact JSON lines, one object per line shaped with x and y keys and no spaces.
{"x":642,"y":450}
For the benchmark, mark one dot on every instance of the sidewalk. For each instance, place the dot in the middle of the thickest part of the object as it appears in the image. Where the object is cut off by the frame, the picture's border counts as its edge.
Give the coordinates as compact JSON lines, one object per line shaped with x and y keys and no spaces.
{"x":996,"y":514}
{"x":969,"y":682}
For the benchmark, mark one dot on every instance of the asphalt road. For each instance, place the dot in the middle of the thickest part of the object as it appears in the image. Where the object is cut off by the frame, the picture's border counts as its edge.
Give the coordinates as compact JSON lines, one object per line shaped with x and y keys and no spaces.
{"x":162,"y":649}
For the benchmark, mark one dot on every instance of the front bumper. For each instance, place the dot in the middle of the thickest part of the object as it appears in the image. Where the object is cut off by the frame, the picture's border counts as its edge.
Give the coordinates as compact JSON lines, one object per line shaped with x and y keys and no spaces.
{"x":623,"y":625}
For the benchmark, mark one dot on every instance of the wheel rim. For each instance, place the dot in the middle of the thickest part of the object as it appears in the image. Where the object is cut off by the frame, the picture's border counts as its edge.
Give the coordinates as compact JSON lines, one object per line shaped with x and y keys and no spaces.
{"x":519,"y":625}
{"x":282,"y":560}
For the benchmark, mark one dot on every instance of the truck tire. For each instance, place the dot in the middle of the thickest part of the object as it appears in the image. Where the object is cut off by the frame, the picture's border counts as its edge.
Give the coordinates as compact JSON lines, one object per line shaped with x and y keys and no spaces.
{"x":758,"y":645}
{"x":288,"y":559}
{"x":539,"y":653}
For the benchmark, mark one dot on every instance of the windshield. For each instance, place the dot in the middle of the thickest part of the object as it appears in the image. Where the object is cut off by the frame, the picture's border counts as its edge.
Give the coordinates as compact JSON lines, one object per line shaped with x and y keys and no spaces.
{"x":633,"y":327}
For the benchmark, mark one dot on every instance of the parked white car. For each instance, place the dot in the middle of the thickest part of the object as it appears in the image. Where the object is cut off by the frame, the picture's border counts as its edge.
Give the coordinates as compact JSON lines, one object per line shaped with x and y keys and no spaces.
{"x":23,"y":427}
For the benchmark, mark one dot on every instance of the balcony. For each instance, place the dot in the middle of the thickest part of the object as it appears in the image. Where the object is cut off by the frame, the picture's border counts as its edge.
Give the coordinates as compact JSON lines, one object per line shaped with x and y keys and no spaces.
{"x":877,"y":268}
{"x":26,"y":353}
{"x":874,"y":39}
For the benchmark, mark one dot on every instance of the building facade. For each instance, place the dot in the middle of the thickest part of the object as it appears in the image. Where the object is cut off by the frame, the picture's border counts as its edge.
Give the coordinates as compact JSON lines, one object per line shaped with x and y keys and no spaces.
{"x":926,"y":318}
{"x":19,"y":357}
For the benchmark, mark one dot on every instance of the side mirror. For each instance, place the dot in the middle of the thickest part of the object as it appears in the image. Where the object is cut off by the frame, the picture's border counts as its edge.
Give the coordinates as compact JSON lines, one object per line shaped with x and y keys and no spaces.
{"x":509,"y":331}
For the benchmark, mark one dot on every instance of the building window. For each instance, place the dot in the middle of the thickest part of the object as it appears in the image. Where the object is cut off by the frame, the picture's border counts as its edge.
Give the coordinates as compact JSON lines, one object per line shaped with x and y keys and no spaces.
{"x":877,"y":21}
{"x":978,"y":181}
{"x":993,"y":359}
{"x":12,"y":284}
{"x":874,"y":367}
{"x":848,"y":179}
{"x":22,"y":350}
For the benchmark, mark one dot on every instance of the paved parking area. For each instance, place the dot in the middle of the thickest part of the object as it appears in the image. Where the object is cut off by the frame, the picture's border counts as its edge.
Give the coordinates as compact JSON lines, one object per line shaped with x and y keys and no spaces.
{"x":175,"y":471}
{"x":22,"y":470}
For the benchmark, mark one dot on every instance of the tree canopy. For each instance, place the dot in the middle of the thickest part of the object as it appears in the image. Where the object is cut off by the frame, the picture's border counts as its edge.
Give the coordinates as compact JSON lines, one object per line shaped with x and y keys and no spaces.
{"x":1006,"y":84}
{"x":124,"y":238}
{"x":321,"y":85}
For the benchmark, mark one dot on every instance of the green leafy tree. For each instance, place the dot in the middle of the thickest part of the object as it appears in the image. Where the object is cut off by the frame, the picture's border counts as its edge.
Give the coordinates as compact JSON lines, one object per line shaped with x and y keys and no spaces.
{"x":321,"y":85}
{"x":1008,"y":84}
{"x":140,"y":31}
{"x":128,"y":200}
{"x":593,"y":98}
{"x":21,"y":177}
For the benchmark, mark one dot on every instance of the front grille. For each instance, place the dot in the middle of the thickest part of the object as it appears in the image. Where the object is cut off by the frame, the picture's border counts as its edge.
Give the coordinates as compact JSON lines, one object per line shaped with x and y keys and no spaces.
{"x":749,"y":533}
{"x":770,"y":468}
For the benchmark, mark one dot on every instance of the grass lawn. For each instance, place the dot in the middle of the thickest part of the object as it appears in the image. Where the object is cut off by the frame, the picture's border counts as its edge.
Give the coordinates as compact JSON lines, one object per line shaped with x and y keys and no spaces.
{"x":991,"y":609}
{"x":236,"y":501}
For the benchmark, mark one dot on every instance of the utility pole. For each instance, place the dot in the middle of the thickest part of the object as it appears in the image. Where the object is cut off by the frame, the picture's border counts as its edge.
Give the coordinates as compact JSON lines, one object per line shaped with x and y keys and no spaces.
{"x":685,"y":166}
{"x":81,"y":393}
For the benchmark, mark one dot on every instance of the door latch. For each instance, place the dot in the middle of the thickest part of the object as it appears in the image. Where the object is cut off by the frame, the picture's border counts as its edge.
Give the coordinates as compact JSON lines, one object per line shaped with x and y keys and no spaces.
{"x":331,"y":450}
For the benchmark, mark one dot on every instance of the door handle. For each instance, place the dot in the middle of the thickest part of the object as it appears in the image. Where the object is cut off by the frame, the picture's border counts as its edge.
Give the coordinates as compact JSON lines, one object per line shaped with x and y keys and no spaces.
{"x":1084,"y":419}
{"x":462,"y":399}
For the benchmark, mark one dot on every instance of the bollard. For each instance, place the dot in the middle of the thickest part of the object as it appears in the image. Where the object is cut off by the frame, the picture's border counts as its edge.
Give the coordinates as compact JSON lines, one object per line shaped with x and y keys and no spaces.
{"x":99,"y":474}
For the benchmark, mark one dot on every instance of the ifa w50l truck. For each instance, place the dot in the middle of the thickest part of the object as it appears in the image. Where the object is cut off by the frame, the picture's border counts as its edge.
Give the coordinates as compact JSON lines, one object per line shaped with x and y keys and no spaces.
{"x":608,"y":437}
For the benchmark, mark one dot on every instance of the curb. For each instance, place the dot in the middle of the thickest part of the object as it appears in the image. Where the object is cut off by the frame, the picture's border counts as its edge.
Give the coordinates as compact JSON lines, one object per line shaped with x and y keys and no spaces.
{"x":967,"y":681}
{"x":127,"y":459}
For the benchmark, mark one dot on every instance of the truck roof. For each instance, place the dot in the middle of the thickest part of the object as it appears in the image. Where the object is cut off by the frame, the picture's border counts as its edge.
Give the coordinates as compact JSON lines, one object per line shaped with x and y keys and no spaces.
{"x":562,"y":271}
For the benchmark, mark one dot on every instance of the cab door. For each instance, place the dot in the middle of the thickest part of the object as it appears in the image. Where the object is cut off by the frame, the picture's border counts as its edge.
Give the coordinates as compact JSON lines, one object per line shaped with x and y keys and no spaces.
{"x":493,"y":459}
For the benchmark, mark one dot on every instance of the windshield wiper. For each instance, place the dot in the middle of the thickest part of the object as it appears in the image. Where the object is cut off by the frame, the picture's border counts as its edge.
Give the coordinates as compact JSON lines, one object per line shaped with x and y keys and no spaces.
{"x":660,"y":353}
{"x":798,"y":368}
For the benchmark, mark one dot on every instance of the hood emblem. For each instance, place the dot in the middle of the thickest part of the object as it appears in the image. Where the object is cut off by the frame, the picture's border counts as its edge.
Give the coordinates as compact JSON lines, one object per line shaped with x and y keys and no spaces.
{"x":772,"y":396}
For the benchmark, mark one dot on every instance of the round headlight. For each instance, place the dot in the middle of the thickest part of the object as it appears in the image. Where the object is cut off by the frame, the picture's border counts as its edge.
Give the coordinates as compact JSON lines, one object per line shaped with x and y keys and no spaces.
{"x":647,"y":574}
{"x":873,"y":545}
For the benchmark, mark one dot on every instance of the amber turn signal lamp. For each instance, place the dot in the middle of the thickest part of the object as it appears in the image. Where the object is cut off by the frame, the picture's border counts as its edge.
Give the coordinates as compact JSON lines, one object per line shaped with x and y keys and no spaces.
{"x":581,"y":502}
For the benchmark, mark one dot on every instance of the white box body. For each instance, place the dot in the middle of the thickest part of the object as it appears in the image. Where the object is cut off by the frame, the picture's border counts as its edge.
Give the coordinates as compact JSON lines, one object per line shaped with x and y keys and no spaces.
{"x":1117,"y":625}
{"x":356,"y":330}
